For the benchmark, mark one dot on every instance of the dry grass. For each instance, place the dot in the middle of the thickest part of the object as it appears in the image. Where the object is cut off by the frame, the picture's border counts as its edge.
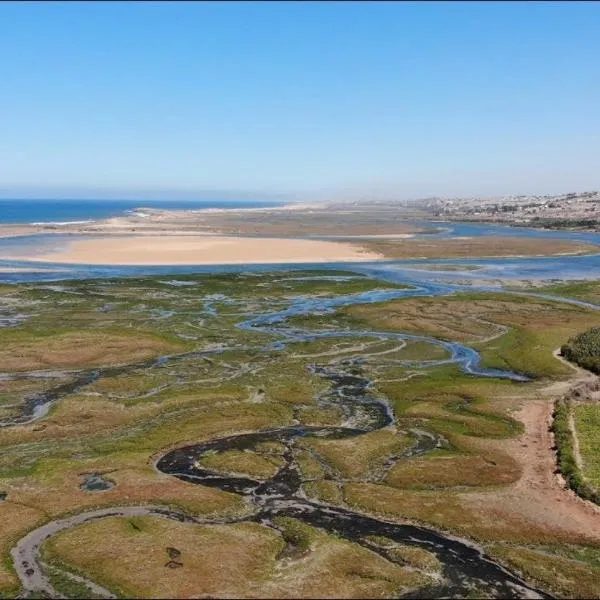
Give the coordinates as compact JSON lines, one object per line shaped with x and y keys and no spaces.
{"x":418,"y":351}
{"x":451,"y":511}
{"x":354,"y":457}
{"x":444,"y":318}
{"x":78,"y":349}
{"x":43,"y":463}
{"x":564,"y":577}
{"x":286,"y":381}
{"x":309,"y":466}
{"x":325,"y":491}
{"x":51,"y":484}
{"x":473,"y":247}
{"x":243,"y":463}
{"x":451,"y":470}
{"x":328,"y":222}
{"x":58,"y":492}
{"x":412,"y":556}
{"x":335,"y":568}
{"x":310,"y":415}
{"x":87,"y":416}
{"x":129,"y":385}
{"x":78,"y":416}
{"x":466,"y":318}
{"x":129,"y":556}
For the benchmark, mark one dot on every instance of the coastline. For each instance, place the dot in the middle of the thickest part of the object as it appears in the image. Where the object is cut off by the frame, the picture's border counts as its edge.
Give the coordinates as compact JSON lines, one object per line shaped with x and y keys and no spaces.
{"x":289,"y":234}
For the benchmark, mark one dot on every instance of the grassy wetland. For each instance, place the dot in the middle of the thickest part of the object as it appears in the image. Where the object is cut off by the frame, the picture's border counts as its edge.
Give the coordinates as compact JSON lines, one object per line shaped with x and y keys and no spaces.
{"x":288,"y":434}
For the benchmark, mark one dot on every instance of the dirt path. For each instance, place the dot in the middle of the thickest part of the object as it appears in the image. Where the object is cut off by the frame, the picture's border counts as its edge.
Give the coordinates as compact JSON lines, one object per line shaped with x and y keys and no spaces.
{"x":540,"y":496}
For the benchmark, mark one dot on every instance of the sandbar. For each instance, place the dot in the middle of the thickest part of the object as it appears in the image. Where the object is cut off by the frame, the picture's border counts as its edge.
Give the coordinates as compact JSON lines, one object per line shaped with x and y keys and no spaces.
{"x":187,"y":250}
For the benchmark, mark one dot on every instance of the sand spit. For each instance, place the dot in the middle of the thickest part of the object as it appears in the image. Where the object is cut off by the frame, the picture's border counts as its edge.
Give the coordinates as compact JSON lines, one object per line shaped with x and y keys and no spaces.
{"x":213,"y":250}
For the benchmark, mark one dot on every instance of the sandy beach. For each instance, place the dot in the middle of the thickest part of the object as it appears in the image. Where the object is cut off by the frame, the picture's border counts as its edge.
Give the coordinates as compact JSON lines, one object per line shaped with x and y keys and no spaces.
{"x":188,"y":250}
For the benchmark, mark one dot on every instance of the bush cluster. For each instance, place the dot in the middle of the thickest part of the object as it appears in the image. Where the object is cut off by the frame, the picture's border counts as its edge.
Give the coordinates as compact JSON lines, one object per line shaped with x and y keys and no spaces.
{"x":584,"y":349}
{"x":546,"y":222}
{"x":567,"y":465}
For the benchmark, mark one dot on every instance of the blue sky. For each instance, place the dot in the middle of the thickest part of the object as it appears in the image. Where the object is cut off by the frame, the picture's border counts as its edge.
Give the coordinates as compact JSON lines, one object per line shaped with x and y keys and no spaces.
{"x":405,"y":99}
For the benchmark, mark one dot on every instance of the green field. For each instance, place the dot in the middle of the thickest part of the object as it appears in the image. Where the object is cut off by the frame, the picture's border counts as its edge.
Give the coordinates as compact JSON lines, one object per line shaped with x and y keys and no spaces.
{"x":587,"y":426}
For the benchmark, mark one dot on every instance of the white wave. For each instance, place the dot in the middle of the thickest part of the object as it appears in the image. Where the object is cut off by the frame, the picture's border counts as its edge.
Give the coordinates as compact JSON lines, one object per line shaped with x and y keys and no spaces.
{"x":39,"y":223}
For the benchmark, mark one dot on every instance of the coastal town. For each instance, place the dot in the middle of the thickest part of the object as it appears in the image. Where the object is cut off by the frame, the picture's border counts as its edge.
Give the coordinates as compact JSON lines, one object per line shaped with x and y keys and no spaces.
{"x":571,"y":210}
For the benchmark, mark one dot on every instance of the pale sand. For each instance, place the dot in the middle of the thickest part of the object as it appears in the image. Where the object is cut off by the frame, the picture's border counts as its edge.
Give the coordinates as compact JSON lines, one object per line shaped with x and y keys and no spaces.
{"x":17,"y":230}
{"x":214,"y":250}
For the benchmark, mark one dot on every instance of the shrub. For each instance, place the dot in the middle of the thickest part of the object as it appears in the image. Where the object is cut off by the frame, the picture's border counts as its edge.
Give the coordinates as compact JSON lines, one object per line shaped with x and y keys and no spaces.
{"x":584,"y":350}
{"x":567,"y":464}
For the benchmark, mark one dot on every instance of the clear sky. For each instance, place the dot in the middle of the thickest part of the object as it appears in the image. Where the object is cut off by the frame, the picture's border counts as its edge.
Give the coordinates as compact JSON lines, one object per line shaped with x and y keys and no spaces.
{"x":409,"y":99}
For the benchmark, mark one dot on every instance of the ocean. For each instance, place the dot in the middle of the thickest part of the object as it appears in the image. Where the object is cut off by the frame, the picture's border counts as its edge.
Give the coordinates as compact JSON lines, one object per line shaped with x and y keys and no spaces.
{"x":65,"y":211}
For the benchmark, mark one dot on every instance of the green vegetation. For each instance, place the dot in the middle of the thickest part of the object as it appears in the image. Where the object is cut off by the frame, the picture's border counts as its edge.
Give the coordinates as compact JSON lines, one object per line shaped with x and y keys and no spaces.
{"x":584,"y":349}
{"x":67,"y":586}
{"x":511,"y":332}
{"x":587,"y":427}
{"x":567,"y":462}
{"x":296,"y":533}
{"x":564,"y":223}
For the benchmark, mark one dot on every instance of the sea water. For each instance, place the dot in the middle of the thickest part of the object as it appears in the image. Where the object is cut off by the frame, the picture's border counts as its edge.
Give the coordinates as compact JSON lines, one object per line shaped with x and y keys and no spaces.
{"x":69,"y":211}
